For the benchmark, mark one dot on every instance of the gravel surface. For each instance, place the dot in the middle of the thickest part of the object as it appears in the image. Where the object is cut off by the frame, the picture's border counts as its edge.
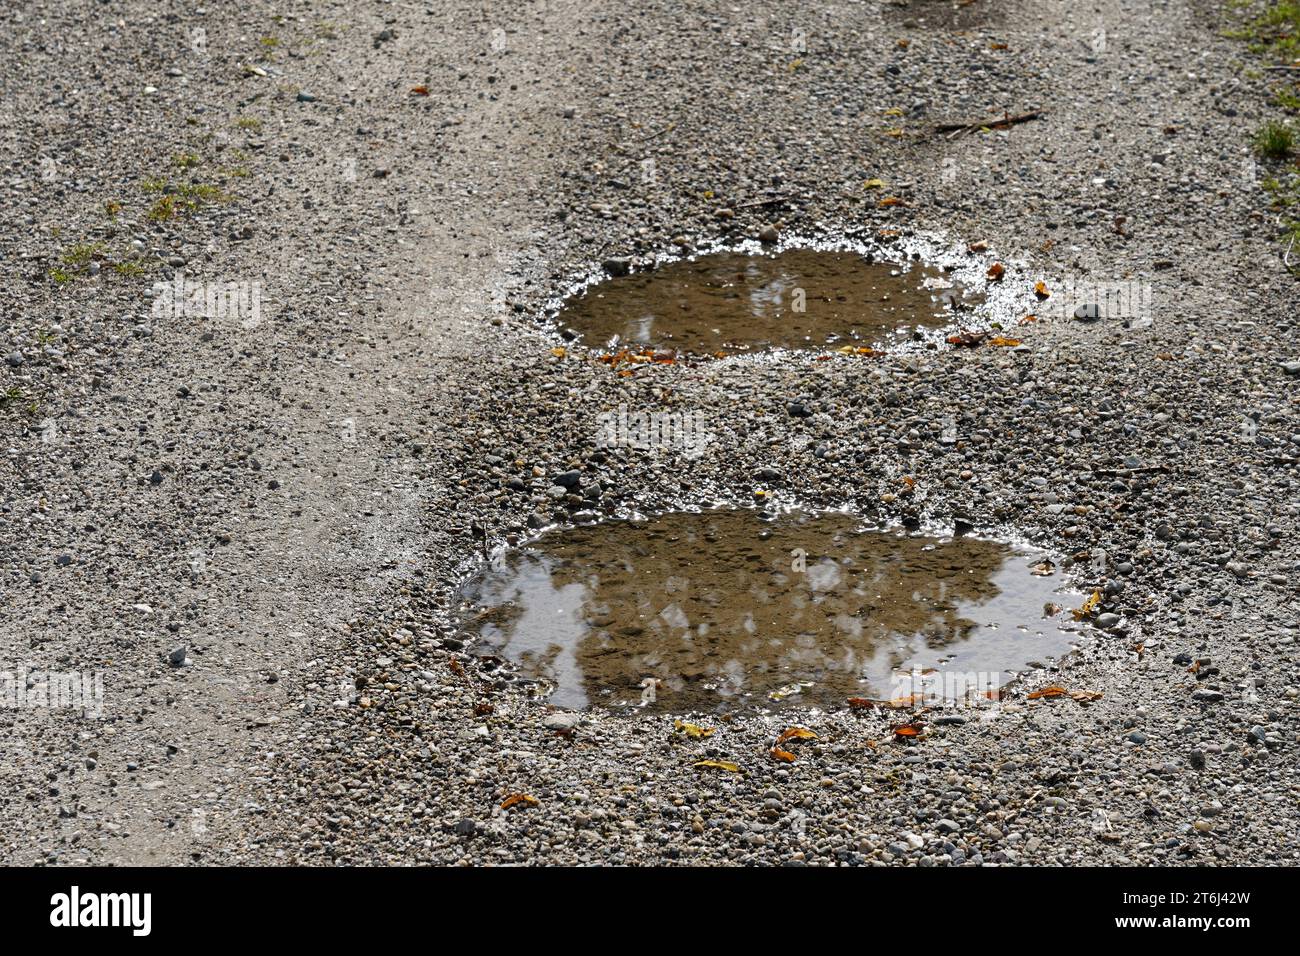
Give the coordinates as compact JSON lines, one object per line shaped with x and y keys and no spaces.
{"x":253,"y":524}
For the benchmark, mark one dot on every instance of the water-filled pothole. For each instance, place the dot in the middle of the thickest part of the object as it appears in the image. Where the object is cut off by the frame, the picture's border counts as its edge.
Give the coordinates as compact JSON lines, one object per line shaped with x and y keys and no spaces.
{"x":745,"y":608}
{"x":799,"y":298}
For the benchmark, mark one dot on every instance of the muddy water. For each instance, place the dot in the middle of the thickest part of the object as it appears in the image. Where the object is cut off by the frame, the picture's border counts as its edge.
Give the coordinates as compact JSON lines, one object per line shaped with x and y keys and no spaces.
{"x":724,"y":302}
{"x":734,"y":608}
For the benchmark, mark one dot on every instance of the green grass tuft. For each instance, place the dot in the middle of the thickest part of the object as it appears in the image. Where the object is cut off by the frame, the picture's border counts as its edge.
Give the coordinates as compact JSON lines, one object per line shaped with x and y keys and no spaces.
{"x":1274,"y":140}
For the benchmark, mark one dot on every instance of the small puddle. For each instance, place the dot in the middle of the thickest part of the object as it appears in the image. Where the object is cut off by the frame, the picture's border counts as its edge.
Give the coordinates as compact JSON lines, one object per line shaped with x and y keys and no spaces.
{"x":799,"y":298}
{"x":742,"y":608}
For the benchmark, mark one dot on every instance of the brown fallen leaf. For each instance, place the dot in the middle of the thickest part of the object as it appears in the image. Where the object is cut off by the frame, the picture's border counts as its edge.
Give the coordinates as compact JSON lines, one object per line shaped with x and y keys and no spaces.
{"x":483,"y":709}
{"x":558,"y":352}
{"x":861,"y":703}
{"x":908,"y":730}
{"x":420,"y":90}
{"x":891,"y":201}
{"x":1004,"y":342}
{"x":996,"y":272}
{"x":515,"y":799}
{"x":796,"y":733}
{"x":783,"y":755}
{"x":967,"y":339}
{"x":1041,"y":290}
{"x":1086,"y":696}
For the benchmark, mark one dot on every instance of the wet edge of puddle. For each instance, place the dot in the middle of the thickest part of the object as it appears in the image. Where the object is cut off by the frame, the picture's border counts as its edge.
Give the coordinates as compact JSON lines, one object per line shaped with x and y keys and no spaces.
{"x":1002,"y":303}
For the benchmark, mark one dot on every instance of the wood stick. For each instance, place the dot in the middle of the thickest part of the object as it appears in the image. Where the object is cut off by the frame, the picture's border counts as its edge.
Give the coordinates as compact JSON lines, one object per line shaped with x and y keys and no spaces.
{"x":955,"y":129}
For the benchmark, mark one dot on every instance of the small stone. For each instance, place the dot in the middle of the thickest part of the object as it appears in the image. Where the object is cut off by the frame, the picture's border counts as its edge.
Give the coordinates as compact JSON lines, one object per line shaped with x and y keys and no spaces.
{"x":1089,"y":312}
{"x":561,"y":720}
{"x":177,"y":655}
{"x":617,"y":267}
{"x":1107,"y":620}
{"x":768,"y":234}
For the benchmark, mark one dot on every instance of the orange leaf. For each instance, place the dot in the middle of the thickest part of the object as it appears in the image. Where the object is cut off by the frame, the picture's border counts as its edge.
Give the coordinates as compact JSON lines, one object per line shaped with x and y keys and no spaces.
{"x":558,"y":352}
{"x":1041,"y":290}
{"x":1048,"y":692}
{"x":891,"y":201}
{"x":420,"y":90}
{"x":517,"y":798}
{"x":996,"y":271}
{"x":783,"y":755}
{"x":907,"y":730}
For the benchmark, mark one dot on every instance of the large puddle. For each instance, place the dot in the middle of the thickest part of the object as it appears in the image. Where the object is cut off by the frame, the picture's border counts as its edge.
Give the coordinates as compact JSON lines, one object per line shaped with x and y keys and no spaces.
{"x":721,"y":609}
{"x":728,"y":301}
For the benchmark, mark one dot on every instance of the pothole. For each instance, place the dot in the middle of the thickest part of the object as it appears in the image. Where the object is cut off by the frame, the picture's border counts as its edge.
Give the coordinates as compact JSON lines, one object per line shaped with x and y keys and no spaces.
{"x":798,"y":298}
{"x":740,"y":608}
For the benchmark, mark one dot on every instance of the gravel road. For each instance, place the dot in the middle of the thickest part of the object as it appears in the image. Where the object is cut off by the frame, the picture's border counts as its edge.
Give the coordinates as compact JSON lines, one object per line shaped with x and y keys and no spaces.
{"x":251,"y":521}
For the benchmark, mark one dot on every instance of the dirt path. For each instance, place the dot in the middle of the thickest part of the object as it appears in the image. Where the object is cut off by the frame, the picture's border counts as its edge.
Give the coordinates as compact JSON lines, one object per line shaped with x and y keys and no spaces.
{"x":291,"y":499}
